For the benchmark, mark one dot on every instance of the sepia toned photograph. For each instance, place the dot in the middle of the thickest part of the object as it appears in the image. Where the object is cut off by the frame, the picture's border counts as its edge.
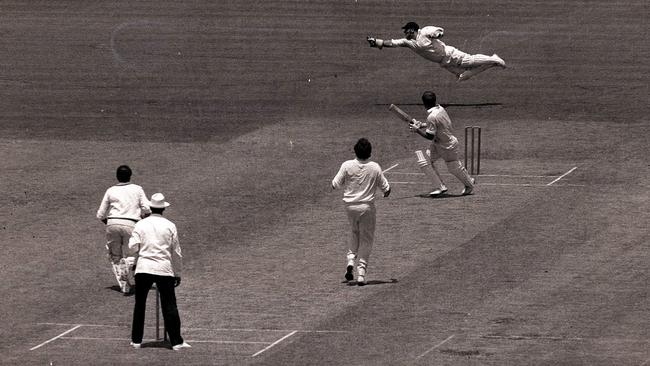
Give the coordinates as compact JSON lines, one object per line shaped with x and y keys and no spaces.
{"x":326,"y":182}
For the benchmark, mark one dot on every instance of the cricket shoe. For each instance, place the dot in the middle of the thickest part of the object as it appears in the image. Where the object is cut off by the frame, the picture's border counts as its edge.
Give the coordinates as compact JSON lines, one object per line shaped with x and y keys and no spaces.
{"x":179,"y":346}
{"x":348,"y":272}
{"x":438,"y":192}
{"x":499,"y":61}
{"x":468,"y":189}
{"x":361,"y":281}
{"x":466,"y":75}
{"x":136,"y":345}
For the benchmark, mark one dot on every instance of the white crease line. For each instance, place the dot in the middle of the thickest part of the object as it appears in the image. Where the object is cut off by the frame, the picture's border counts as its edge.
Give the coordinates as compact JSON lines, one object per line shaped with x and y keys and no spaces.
{"x":57,"y":337}
{"x":563,"y":175}
{"x":187,"y":340}
{"x":436,"y":346}
{"x":390,"y":168}
{"x":647,"y":362}
{"x":407,"y":173}
{"x":275,"y":343}
{"x":479,"y":184}
{"x":211,"y":329}
{"x":528,"y":185}
{"x":486,"y":175}
{"x":516,"y":337}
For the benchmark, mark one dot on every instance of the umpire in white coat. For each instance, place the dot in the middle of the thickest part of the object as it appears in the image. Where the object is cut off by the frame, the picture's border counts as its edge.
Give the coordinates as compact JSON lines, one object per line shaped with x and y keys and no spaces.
{"x":158,"y":260}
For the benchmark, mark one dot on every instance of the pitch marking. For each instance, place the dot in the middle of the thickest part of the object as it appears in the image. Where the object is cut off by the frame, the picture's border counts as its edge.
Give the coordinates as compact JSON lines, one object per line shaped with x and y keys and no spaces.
{"x":275,"y":343}
{"x":436,"y":346}
{"x":488,"y":175}
{"x":189,"y":340}
{"x":502,"y":184}
{"x":209,"y":329}
{"x":563,"y":175}
{"x":390,"y":168}
{"x":55,"y":338}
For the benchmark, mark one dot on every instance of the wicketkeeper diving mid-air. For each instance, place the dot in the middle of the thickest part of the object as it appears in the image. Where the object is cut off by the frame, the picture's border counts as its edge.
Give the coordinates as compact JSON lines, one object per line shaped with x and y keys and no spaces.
{"x":426,"y":43}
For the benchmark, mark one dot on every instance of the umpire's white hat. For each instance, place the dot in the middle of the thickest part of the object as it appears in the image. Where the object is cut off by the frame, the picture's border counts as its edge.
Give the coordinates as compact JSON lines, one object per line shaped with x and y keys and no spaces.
{"x":158,"y":201}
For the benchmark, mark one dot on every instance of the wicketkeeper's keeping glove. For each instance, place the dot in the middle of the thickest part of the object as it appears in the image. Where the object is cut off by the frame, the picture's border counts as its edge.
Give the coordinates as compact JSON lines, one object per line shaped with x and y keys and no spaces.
{"x":374,"y":42}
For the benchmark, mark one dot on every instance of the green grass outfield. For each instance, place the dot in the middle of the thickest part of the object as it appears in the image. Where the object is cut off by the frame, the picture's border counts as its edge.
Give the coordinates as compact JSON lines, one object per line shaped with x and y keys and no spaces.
{"x":242,"y":112}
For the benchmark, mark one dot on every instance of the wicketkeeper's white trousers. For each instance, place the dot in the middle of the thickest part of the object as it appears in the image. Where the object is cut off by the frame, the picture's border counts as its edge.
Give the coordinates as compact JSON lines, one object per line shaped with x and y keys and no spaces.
{"x":362,"y":218}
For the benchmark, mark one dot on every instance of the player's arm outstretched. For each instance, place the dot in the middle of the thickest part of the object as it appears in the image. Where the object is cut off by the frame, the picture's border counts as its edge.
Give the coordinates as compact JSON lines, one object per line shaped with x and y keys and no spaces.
{"x":411,"y":34}
{"x":379,"y":43}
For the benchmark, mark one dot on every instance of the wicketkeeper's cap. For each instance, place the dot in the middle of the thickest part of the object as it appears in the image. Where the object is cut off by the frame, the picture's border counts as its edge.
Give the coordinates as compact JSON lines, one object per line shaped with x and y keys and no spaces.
{"x":158,"y":201}
{"x":411,"y":25}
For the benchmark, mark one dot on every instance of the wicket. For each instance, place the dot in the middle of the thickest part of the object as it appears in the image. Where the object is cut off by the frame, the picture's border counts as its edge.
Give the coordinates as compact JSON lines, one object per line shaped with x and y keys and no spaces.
{"x":473,"y":146}
{"x":158,"y":318}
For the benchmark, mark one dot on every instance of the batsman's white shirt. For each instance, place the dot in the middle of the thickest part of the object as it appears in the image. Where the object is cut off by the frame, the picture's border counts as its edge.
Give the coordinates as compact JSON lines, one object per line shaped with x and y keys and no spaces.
{"x":155,"y":243}
{"x":439,"y":125}
{"x":123,"y":201}
{"x":361,"y":179}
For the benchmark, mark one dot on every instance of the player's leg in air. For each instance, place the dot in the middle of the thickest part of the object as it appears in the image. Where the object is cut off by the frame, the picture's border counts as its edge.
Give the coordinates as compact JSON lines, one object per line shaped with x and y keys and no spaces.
{"x":476,"y":64}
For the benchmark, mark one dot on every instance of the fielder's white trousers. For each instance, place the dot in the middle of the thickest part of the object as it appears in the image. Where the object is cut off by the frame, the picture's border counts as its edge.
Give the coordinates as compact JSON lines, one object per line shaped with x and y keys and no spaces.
{"x":118,"y":233}
{"x":362,"y":218}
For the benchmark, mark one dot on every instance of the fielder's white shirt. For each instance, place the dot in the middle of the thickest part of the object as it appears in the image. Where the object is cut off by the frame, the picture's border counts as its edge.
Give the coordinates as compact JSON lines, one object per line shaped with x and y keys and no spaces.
{"x":426,"y":44}
{"x":154,"y":242}
{"x":361,"y":178}
{"x":439,"y":125}
{"x":123,"y":201}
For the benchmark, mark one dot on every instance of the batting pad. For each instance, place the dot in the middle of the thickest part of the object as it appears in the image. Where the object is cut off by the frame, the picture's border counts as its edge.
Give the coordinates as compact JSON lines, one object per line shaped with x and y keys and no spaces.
{"x":427,"y":168}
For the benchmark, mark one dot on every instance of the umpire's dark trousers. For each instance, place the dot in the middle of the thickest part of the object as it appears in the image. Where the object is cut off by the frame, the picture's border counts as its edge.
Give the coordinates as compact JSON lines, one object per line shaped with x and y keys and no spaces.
{"x":165,"y":284}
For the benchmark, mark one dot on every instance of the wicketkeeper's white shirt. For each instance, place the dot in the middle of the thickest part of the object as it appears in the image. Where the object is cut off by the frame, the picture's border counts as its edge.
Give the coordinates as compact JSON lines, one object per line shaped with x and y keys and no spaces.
{"x":154,"y":242}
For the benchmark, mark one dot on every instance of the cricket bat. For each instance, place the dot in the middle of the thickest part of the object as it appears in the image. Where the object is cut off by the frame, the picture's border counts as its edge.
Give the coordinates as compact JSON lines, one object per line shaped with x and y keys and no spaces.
{"x":400,"y":113}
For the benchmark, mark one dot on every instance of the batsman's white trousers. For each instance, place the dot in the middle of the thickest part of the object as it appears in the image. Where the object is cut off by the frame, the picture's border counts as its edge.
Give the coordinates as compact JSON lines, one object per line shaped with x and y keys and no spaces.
{"x":450,"y":156}
{"x":362,"y":217}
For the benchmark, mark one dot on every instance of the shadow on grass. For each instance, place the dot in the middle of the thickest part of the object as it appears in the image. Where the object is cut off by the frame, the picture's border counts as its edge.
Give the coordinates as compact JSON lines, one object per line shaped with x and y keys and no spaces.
{"x":117,"y":288}
{"x":440,"y":196}
{"x":426,"y":195}
{"x":157,"y":344}
{"x":114,"y":288}
{"x":373,"y":282}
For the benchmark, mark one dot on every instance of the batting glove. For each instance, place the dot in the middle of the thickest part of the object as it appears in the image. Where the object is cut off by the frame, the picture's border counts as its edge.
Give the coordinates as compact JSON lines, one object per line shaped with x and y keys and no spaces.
{"x":415,"y":125}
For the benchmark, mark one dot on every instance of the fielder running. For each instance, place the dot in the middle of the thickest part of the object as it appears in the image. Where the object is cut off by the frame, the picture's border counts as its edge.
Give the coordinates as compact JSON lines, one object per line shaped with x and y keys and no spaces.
{"x":123,"y":205}
{"x":425,"y":42}
{"x":360,"y":178}
{"x":443,"y":145}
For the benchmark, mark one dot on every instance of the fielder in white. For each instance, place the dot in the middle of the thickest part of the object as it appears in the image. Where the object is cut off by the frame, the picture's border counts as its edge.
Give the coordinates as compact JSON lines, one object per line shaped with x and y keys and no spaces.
{"x":123,"y":205}
{"x":444,"y":145}
{"x":360,"y":178}
{"x":426,"y":43}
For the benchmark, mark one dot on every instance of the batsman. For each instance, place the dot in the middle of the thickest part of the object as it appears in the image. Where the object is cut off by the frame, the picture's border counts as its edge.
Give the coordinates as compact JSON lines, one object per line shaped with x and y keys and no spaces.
{"x":444,"y":145}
